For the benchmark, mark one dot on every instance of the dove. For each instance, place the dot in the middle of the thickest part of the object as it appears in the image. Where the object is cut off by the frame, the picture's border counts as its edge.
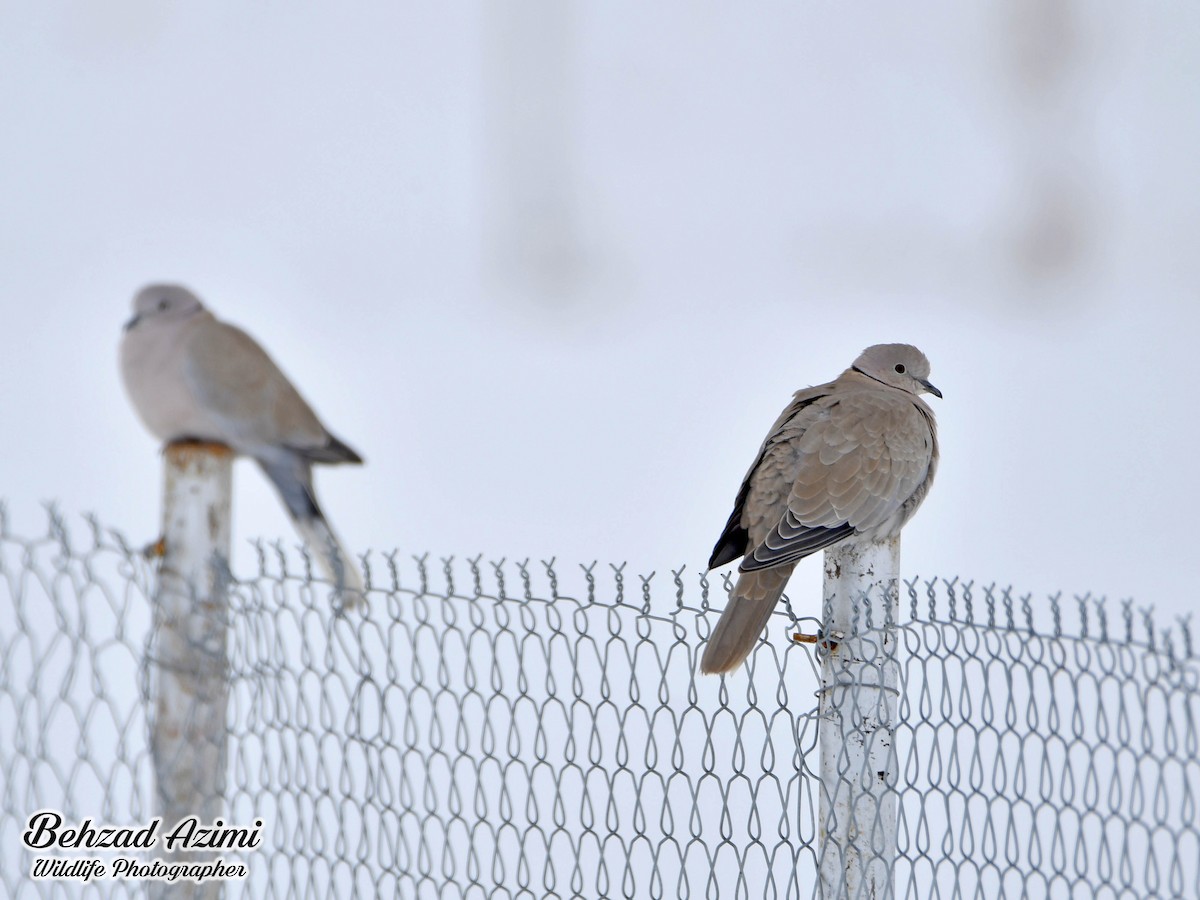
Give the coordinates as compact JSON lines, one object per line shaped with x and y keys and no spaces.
{"x":847,"y":460}
{"x":191,"y":376}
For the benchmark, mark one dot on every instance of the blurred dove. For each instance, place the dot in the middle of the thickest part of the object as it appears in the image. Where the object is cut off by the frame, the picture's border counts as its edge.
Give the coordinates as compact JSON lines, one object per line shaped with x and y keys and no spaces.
{"x":192,"y":377}
{"x":853,"y":458}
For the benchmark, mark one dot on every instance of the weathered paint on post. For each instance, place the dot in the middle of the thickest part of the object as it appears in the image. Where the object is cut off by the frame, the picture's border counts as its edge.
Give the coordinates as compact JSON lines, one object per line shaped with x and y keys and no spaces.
{"x":188,"y":665}
{"x":858,"y":701}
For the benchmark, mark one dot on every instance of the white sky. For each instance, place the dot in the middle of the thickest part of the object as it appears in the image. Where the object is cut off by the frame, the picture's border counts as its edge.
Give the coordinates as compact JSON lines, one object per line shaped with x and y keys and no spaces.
{"x":555,"y":268}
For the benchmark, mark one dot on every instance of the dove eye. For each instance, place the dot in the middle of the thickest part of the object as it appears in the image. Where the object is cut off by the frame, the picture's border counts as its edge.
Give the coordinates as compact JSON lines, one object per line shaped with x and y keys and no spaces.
{"x":900,"y":368}
{"x":162,"y":304}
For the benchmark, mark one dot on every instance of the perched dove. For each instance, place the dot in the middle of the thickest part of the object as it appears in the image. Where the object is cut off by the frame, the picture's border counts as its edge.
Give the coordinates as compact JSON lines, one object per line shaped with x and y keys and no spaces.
{"x":192,"y":377}
{"x":853,"y":458}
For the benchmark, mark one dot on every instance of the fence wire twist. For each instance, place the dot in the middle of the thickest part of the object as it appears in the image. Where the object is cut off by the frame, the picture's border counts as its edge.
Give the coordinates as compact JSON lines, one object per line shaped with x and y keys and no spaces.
{"x":484,"y":732}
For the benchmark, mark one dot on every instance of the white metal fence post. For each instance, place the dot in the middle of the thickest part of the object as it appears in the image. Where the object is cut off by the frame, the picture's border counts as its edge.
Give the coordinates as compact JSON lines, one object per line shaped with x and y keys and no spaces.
{"x":858,"y":702}
{"x":188,"y":664}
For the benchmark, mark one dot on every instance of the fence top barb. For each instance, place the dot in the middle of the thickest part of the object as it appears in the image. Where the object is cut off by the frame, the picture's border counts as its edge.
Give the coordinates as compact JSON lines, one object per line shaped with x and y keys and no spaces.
{"x":692,"y":591}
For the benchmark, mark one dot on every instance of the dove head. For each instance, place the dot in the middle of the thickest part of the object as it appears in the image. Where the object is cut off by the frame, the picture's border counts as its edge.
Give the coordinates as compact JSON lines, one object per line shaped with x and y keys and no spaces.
{"x":898,"y":365}
{"x":163,"y":303}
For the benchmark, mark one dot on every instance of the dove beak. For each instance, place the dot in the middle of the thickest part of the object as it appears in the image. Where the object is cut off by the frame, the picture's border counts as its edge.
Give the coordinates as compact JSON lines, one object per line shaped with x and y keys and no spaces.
{"x":129,"y":325}
{"x":930,"y":388}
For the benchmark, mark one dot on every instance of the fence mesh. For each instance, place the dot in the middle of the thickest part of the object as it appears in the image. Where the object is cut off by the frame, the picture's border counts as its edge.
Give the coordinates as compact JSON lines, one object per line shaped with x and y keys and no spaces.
{"x":526,"y":729}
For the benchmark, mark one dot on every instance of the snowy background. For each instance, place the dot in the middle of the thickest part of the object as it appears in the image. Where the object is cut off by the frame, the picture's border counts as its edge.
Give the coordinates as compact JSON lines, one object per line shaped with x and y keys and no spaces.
{"x":554,"y":268}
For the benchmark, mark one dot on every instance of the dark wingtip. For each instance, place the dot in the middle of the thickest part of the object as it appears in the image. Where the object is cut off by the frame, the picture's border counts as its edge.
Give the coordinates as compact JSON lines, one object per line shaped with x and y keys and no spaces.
{"x":333,"y":452}
{"x":344,"y":451}
{"x":732,"y":545}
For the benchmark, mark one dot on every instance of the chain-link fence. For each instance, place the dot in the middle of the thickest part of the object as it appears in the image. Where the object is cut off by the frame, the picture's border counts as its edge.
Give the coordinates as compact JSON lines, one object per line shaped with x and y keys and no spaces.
{"x":527,"y":729}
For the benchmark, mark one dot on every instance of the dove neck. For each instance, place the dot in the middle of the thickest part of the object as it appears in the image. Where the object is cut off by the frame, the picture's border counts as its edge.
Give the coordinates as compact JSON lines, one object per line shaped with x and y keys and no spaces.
{"x":872,"y":377}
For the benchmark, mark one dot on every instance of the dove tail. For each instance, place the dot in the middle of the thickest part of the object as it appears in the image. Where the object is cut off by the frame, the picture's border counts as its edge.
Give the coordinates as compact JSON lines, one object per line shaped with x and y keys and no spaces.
{"x":292,"y":477}
{"x":751,"y":603}
{"x":331,"y":556}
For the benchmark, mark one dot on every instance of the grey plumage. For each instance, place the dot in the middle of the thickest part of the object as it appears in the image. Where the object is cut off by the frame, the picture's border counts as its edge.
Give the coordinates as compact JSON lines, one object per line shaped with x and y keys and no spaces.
{"x":850,"y":459}
{"x":191,"y":376}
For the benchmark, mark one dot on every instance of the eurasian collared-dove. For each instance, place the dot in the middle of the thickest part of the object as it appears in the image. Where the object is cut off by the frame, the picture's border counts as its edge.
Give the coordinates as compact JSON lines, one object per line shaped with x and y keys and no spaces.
{"x":853,"y":458}
{"x":192,"y":377}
